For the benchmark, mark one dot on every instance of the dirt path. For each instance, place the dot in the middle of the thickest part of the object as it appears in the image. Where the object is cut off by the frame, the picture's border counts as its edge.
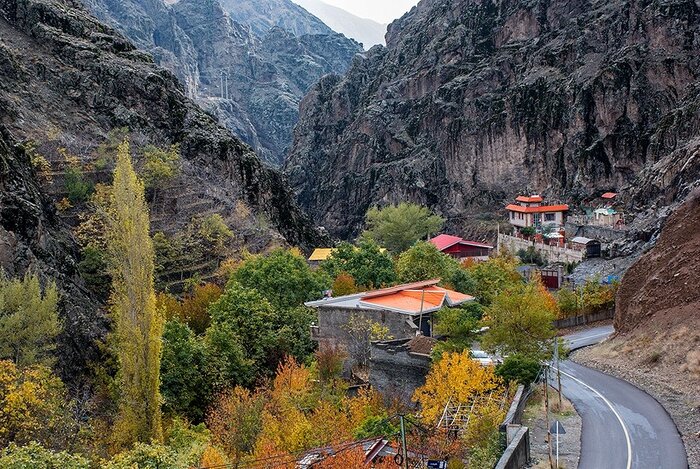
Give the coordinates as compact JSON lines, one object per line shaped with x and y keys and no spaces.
{"x":569,"y":443}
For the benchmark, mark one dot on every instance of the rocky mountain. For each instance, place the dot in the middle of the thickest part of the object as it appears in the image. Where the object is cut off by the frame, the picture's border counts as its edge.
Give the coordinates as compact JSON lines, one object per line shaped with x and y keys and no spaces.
{"x":472,"y":102}
{"x":251,"y":74}
{"x":368,"y":32}
{"x":263,"y":15}
{"x":66,"y":81}
{"x":33,"y":238}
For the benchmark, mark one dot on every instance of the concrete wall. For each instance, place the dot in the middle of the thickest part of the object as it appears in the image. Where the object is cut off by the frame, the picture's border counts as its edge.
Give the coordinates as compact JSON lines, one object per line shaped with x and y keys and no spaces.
{"x":585,"y":319}
{"x":552,"y":253}
{"x":395,"y":372}
{"x":517,"y":454}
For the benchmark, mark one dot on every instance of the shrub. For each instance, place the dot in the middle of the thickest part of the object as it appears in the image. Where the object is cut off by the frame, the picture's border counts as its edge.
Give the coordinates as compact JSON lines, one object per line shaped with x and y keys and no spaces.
{"x":519,"y":368}
{"x":35,"y":456}
{"x":78,"y":188}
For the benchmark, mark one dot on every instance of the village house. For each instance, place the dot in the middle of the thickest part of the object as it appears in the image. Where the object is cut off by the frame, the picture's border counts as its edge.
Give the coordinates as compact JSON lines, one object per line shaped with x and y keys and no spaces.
{"x":529,"y":211}
{"x":461,"y":248}
{"x":404,"y":310}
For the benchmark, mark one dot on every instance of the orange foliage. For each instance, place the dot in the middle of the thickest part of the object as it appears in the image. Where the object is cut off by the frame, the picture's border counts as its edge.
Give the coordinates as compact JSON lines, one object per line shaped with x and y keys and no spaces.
{"x":236,"y":420}
{"x":344,"y":284}
{"x":193,"y":309}
{"x":212,"y":457}
{"x":354,"y":457}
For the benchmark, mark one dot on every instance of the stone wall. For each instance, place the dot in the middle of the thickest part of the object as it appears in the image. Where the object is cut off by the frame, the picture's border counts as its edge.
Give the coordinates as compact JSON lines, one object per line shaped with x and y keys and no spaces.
{"x":603,"y":234}
{"x":395,"y":371}
{"x":551,"y":253}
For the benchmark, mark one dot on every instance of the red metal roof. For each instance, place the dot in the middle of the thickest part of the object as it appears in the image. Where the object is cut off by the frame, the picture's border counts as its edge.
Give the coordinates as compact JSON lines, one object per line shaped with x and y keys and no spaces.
{"x":609,"y":195}
{"x":444,"y":241}
{"x":529,"y":199}
{"x":540,"y":209}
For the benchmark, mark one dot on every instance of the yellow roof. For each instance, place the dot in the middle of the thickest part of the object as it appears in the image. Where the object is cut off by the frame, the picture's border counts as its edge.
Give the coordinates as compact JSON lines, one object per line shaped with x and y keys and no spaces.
{"x":321,"y":254}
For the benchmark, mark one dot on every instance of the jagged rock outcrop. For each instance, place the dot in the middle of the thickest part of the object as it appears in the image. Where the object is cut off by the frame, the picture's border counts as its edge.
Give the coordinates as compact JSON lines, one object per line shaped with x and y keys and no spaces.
{"x":251,"y":73}
{"x":66,"y":79}
{"x":32,"y":238}
{"x":472,"y":102}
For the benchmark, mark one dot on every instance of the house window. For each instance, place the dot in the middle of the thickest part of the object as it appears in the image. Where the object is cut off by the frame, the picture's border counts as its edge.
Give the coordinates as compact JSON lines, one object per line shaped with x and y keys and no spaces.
{"x":550,"y":217}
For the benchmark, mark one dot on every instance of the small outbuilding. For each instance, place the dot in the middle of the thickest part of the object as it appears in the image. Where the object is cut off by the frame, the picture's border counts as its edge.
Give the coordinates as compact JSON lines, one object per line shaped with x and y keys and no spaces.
{"x":460,"y":248}
{"x":591,"y":247}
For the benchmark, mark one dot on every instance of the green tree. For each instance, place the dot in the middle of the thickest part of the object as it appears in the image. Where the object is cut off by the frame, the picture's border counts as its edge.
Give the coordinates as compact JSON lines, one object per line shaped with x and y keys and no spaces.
{"x":94,"y":269}
{"x":35,"y":456}
{"x":159,"y":165}
{"x":459,"y":325}
{"x":424,"y":262}
{"x":494,"y":276}
{"x":282,"y":277}
{"x":226,"y":363}
{"x":29,"y":321}
{"x":183,"y":384}
{"x":77,"y":186}
{"x":366,"y":263}
{"x":520,"y":321}
{"x":398,"y":227}
{"x":138,"y":325}
{"x":146,"y":456}
{"x":518,"y":368}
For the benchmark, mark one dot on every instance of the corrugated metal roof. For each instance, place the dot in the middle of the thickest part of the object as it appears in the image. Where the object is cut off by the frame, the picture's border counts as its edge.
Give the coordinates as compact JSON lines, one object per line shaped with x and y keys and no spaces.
{"x":444,"y":241}
{"x":320,"y":254}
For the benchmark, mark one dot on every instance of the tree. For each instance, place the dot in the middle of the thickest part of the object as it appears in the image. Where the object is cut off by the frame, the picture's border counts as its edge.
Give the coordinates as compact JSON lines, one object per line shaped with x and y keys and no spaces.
{"x":344,"y":284}
{"x":423,"y":261}
{"x":33,"y":406}
{"x":362,"y":332}
{"x":138,"y":325}
{"x":398,"y":227}
{"x":366,"y":263}
{"x":282,"y":277}
{"x":520,"y":321}
{"x":456,"y":378}
{"x":236,"y":421}
{"x":492,"y":277}
{"x":159,"y":165}
{"x":459,"y":325}
{"x":183,"y":385}
{"x":29,"y":320}
{"x":146,"y":456}
{"x":518,"y":368}
{"x":36,"y":456}
{"x":194,"y":307}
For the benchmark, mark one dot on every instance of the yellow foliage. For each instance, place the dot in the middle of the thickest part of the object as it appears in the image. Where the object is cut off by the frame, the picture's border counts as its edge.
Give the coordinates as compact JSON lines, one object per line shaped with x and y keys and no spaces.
{"x":138,"y":322}
{"x":456,"y":378}
{"x":213,"y":457}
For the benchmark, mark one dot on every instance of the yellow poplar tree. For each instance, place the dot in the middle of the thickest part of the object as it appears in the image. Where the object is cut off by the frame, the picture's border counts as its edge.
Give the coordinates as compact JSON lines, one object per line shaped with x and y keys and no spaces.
{"x":138,"y":325}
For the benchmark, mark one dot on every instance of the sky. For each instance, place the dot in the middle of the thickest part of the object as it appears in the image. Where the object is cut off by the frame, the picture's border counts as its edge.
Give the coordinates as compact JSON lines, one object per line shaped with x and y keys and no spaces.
{"x":382,"y":11}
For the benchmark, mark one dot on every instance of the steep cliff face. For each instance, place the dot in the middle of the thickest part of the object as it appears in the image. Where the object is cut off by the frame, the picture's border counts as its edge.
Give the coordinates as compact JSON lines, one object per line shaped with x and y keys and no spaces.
{"x":263,"y":15}
{"x":474,"y":101}
{"x":252,"y":74}
{"x":67,"y":80}
{"x":32,"y":238}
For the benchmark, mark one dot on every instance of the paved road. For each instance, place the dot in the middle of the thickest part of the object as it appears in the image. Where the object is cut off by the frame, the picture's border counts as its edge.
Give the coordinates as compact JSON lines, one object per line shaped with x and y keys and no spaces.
{"x":623,"y":427}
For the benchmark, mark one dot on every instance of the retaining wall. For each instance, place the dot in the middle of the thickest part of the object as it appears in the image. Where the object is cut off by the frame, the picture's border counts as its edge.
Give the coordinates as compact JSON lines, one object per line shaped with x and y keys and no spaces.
{"x":552,"y":253}
{"x":585,"y":319}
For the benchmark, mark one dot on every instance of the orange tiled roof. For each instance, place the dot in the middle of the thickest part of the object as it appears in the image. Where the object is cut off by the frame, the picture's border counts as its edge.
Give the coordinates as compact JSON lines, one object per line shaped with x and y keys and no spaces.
{"x":541,"y":209}
{"x":609,"y":195}
{"x":529,"y":199}
{"x":415,"y":300}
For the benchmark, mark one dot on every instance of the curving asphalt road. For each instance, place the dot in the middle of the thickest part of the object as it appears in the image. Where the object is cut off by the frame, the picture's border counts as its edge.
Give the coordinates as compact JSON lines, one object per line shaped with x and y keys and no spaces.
{"x":623,"y":427}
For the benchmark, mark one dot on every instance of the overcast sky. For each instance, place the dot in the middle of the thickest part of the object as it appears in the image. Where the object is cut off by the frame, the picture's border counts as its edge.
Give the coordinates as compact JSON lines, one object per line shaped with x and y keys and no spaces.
{"x":383,"y":11}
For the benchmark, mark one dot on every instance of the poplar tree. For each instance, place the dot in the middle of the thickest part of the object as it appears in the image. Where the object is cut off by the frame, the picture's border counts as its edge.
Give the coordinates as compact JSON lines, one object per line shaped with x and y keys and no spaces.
{"x":138,"y":325}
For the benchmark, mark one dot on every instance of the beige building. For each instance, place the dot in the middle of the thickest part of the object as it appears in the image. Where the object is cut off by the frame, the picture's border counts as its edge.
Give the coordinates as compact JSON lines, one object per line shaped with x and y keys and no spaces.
{"x":529,"y":211}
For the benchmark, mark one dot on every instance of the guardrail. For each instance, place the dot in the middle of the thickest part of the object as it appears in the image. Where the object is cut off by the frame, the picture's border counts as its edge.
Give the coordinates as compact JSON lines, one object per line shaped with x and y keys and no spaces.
{"x":517,"y":452}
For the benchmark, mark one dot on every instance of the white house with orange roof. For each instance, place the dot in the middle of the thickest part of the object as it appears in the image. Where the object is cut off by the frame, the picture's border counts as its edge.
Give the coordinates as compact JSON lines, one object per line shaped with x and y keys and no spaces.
{"x":530,"y":211}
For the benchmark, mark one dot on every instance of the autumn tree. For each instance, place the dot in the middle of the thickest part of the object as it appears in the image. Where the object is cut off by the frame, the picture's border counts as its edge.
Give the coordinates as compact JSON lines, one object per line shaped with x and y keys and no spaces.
{"x":398,"y":227}
{"x":138,"y":325}
{"x":456,"y":378}
{"x":33,"y":407}
{"x":29,"y":320}
{"x":361,"y":333}
{"x":236,"y":421}
{"x":520,"y":321}
{"x":344,"y":284}
{"x":494,"y":276}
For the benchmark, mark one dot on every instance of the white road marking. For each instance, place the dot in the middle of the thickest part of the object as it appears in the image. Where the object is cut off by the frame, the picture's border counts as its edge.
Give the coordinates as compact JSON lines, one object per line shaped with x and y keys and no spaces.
{"x":619,"y":418}
{"x":579,"y":339}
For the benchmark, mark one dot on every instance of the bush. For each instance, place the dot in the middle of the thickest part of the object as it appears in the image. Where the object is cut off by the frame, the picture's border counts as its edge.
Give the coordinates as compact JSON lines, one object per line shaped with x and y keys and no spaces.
{"x":94,"y":270}
{"x":531,"y":256}
{"x":144,"y":456}
{"x":77,"y":187}
{"x":520,"y":369}
{"x":35,"y":456}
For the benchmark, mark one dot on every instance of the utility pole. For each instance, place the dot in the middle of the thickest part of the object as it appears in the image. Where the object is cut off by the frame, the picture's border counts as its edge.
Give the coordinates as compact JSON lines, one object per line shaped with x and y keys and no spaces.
{"x":221,"y":91}
{"x":546,"y":411}
{"x":227,"y":85}
{"x":420,"y":318}
{"x":403,"y":443}
{"x":556,"y":358}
